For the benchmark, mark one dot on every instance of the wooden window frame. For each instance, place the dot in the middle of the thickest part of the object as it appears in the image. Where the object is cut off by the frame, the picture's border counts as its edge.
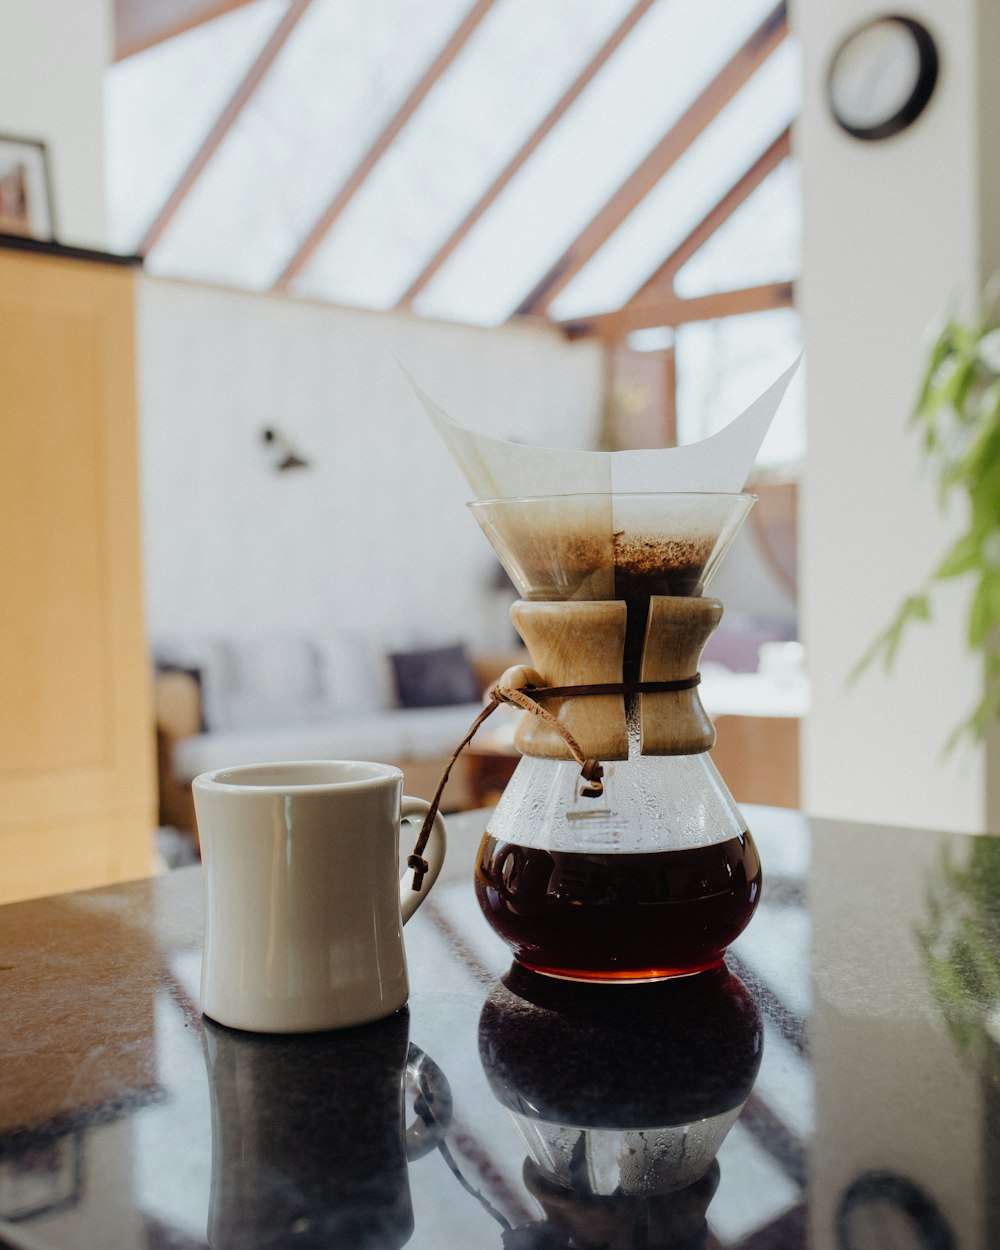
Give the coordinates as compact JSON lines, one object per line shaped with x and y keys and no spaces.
{"x":693,"y":122}
{"x":223,"y":124}
{"x":315,"y":236}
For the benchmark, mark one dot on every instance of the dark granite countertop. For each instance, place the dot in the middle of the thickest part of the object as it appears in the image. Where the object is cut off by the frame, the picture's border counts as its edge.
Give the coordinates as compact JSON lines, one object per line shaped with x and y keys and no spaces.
{"x":847,"y":1059}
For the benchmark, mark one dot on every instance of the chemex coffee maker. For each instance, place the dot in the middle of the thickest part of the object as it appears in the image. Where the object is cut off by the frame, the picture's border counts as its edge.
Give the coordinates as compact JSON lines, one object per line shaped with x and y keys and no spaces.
{"x":621,"y":1133}
{"x":616,"y":853}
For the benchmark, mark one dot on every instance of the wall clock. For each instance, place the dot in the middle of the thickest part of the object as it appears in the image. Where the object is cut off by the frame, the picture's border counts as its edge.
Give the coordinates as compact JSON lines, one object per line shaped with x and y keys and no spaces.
{"x":883,"y":1211}
{"x":882,"y":76}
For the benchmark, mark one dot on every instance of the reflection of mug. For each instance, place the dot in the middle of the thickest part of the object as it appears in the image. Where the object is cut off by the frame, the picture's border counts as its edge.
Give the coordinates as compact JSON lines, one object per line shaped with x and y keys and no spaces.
{"x":303,"y":906}
{"x":308,"y":1141}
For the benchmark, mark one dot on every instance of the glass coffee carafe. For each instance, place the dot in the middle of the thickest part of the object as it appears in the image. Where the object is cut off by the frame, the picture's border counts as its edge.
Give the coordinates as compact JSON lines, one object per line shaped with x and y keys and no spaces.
{"x":651,"y":872}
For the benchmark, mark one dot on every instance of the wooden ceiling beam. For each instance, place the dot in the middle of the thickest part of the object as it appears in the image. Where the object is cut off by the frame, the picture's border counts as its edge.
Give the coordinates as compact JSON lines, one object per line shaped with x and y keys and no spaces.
{"x":656,"y":308}
{"x":223,"y":123}
{"x":719,"y":214}
{"x":139,"y":24}
{"x":692,"y":123}
{"x":531,"y":144}
{"x":444,"y":58}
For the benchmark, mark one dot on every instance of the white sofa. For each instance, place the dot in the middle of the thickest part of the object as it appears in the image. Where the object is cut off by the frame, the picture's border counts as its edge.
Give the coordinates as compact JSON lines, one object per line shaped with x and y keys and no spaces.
{"x":281,"y":696}
{"x":224,"y":702}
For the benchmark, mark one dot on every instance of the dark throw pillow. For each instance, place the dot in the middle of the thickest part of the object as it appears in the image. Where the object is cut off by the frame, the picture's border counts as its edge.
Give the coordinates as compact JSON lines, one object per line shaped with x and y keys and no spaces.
{"x":435,"y":677}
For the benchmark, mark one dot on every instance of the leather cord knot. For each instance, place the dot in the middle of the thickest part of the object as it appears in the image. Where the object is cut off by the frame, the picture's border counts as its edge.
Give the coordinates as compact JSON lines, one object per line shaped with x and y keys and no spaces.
{"x":529,"y":700}
{"x":420,"y":868}
{"x":592,"y":771}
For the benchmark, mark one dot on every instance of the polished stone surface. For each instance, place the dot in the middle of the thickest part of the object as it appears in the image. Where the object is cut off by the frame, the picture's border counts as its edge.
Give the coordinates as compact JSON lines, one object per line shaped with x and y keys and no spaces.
{"x":838,"y":1085}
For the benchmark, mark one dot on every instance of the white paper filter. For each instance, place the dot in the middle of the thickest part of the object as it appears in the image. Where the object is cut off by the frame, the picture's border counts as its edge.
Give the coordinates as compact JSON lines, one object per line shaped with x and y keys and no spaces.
{"x":498,"y":469}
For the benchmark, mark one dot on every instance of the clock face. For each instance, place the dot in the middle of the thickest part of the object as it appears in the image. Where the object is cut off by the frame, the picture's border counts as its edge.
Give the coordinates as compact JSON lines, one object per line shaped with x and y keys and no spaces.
{"x":880,"y":1210}
{"x":882,"y":77}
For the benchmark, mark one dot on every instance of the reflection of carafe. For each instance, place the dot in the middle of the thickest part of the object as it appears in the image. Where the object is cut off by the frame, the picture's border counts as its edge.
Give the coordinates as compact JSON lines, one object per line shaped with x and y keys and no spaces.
{"x":309,"y":1144}
{"x":652,"y":873}
{"x":622,"y":1112}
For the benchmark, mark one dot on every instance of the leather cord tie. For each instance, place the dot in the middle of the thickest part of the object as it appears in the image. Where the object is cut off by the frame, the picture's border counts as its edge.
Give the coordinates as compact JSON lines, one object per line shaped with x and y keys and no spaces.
{"x":529,"y":699}
{"x":614,"y":687}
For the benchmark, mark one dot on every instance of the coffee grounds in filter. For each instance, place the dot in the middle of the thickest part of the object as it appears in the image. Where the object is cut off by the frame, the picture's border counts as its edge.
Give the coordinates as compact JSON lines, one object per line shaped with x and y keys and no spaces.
{"x":675,"y":563}
{"x":646,"y":566}
{"x":575,"y":564}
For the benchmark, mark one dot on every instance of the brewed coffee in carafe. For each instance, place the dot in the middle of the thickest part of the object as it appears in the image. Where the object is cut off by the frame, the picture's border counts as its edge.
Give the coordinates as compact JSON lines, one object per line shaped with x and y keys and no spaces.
{"x":656,"y":875}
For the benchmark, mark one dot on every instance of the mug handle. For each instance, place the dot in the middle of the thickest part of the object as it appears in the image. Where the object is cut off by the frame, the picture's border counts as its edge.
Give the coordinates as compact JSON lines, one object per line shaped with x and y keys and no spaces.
{"x":410,"y":899}
{"x":431,"y":1104}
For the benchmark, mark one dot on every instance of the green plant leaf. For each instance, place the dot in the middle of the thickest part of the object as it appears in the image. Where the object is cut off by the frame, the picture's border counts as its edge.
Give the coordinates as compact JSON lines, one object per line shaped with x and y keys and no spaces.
{"x":914,"y":608}
{"x":963,"y":556}
{"x":957,"y":414}
{"x":984,"y":612}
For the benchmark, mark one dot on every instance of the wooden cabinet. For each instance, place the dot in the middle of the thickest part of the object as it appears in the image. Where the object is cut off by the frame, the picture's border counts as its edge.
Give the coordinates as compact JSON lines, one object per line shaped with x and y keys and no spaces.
{"x":76,"y":746}
{"x":758,"y":757}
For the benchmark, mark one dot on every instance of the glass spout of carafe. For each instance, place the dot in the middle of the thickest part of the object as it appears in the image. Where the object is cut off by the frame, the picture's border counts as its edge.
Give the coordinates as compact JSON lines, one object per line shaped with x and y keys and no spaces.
{"x":653,"y":873}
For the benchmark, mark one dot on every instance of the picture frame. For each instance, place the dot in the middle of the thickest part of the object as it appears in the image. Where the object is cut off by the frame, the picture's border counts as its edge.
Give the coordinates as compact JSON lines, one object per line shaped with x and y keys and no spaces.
{"x":26,"y":200}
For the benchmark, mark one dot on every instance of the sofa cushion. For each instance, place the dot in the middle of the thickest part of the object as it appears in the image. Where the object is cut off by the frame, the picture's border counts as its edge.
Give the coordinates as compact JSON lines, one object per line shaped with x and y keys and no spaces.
{"x":259,"y":680}
{"x":271,"y":679}
{"x":429,"y":731}
{"x":392,"y":735}
{"x":356,"y":673}
{"x":435,"y":677}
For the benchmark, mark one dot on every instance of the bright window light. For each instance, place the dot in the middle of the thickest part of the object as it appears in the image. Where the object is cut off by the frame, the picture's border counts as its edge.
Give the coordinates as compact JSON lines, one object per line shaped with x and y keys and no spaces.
{"x":723,"y":365}
{"x":761,"y":242}
{"x":160,"y":103}
{"x":341,"y":76}
{"x":665,"y":63}
{"x":515,"y":67}
{"x":744,"y":129}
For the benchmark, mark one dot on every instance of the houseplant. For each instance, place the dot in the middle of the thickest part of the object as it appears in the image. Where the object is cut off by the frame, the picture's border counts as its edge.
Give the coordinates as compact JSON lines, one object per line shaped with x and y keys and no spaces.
{"x":957,"y":415}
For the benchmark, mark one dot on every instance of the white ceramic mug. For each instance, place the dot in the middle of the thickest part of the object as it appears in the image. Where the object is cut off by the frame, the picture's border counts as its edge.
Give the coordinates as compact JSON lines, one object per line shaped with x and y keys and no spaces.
{"x":304,"y":908}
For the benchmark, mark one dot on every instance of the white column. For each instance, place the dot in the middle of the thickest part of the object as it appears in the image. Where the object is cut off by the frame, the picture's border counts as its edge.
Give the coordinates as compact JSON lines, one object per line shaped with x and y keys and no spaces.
{"x":897,"y":234}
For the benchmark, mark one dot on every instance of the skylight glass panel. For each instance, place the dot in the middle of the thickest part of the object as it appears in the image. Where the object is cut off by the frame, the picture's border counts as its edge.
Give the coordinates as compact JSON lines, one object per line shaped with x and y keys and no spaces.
{"x":331,"y":91}
{"x":160,"y":103}
{"x":761,"y":242}
{"x":723,"y":365}
{"x":744,"y":129}
{"x":510,"y":74}
{"x":665,"y":63}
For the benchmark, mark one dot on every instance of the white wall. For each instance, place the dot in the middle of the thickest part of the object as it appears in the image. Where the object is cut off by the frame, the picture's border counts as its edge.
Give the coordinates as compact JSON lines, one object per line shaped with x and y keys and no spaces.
{"x":897,"y":233}
{"x":375,"y":536}
{"x":53,"y":54}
